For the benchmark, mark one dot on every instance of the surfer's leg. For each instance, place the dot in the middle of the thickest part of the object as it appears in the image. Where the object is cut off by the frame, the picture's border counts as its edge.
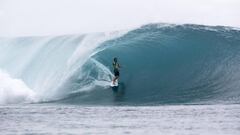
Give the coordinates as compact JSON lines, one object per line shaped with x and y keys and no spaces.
{"x":115,"y":78}
{"x":116,"y":74}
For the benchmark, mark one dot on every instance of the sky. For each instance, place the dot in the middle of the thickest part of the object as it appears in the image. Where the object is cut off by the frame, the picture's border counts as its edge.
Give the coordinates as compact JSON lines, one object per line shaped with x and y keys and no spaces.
{"x":57,"y":17}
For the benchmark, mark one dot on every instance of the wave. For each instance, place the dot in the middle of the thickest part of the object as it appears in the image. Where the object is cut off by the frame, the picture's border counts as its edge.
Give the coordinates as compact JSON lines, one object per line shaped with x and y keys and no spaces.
{"x":51,"y":66}
{"x":161,"y":63}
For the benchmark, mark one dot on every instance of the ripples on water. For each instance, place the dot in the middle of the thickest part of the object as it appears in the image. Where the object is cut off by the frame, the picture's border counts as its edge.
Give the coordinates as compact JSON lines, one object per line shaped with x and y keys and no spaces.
{"x":181,"y":119}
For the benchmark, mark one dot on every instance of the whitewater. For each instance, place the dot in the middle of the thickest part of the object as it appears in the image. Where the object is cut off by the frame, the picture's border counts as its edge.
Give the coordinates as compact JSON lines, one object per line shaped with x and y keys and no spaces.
{"x":42,"y":66}
{"x":173,"y":80}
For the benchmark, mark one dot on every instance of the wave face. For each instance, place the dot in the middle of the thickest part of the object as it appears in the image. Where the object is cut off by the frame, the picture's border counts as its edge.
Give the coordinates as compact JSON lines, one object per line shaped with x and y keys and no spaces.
{"x":161,"y":64}
{"x":48,"y":68}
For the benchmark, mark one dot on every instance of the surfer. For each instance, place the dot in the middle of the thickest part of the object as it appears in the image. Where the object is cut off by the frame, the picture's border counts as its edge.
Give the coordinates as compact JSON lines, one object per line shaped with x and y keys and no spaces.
{"x":116,"y":67}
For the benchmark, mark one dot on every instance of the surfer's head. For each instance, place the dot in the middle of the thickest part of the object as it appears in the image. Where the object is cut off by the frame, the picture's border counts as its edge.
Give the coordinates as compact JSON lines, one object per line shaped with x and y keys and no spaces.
{"x":115,"y":59}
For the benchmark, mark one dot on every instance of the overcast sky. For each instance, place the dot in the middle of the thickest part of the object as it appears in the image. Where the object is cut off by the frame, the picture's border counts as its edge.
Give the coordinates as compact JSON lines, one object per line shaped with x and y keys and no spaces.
{"x":56,"y":17}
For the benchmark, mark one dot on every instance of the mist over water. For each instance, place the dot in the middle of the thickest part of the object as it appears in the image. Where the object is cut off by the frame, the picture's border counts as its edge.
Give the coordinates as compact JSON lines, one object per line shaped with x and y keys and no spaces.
{"x":46,"y":66}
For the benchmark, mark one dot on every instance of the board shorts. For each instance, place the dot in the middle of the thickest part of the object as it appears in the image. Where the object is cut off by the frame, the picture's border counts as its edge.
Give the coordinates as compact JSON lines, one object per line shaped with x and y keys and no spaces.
{"x":116,"y":73}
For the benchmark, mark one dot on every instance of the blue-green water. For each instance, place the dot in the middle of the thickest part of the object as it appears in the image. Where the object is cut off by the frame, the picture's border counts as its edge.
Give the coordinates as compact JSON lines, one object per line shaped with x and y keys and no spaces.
{"x":174,"y":79}
{"x":161,"y":64}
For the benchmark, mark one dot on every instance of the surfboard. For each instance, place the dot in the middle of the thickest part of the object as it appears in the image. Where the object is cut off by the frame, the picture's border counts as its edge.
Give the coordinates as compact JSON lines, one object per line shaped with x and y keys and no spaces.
{"x":115,"y":84}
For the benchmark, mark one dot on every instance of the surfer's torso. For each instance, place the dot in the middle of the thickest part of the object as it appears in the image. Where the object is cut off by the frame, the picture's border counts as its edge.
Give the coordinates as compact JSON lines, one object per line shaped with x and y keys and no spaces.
{"x":116,"y":68}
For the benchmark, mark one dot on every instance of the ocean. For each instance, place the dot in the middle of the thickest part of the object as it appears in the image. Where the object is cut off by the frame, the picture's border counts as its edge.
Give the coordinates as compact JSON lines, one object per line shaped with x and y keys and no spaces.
{"x":95,"y":120}
{"x":174,"y":79}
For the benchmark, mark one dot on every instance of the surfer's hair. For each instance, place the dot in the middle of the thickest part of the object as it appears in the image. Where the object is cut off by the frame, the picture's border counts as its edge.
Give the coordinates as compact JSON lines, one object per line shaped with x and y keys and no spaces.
{"x":115,"y":59}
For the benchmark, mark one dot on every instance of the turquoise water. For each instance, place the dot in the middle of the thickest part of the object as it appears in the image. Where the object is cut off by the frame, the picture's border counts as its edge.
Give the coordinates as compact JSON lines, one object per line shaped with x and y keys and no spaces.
{"x":178,"y":64}
{"x":174,"y":79}
{"x":161,"y":64}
